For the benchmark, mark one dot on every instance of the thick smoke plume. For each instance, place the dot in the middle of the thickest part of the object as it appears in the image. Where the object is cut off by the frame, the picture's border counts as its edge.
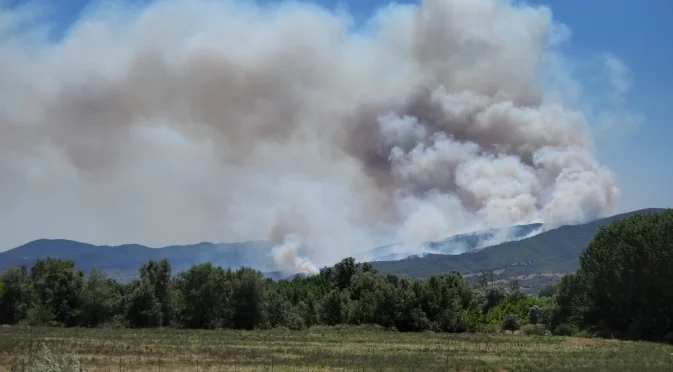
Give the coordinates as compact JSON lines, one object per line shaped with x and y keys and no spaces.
{"x":286,"y":258}
{"x":187,"y":121}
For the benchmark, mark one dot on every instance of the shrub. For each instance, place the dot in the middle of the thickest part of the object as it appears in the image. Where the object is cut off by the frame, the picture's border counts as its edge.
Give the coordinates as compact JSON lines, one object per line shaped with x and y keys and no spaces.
{"x":117,"y":322}
{"x":582,"y":334}
{"x":265,"y":325}
{"x":320,"y":328}
{"x":295,"y":322}
{"x":516,"y":304}
{"x":39,"y":315}
{"x":544,"y":315}
{"x":489,"y":328}
{"x":46,"y":361}
{"x":370,"y":328}
{"x":534,"y":315}
{"x":548,"y":291}
{"x":510,"y":323}
{"x":533,"y":330}
{"x":565,"y":330}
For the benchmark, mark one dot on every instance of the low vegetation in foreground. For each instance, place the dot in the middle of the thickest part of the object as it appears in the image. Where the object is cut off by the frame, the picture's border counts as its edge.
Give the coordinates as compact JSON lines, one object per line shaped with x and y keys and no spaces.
{"x":341,"y":348}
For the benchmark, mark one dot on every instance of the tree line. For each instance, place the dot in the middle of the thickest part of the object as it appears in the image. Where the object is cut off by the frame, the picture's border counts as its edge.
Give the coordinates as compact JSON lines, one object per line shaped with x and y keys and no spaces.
{"x":54,"y":293}
{"x":624,"y":288}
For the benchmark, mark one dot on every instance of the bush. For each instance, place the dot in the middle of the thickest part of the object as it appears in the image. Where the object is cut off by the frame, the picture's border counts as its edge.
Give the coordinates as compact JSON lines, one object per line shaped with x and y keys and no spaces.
{"x":370,"y":328}
{"x":516,"y":304}
{"x":534,"y":315}
{"x":534,"y":330}
{"x":544,"y":316}
{"x":510,"y":323}
{"x":117,"y":322}
{"x":489,"y":328}
{"x":320,"y":328}
{"x":548,"y":291}
{"x":565,"y":330}
{"x":582,"y":334}
{"x":295,"y":322}
{"x":39,"y":315}
{"x":46,"y":361}
{"x":264,"y":326}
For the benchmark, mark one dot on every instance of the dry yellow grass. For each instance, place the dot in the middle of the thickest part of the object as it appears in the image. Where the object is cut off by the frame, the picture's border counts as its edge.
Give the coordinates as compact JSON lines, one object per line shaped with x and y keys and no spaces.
{"x":327,"y":349}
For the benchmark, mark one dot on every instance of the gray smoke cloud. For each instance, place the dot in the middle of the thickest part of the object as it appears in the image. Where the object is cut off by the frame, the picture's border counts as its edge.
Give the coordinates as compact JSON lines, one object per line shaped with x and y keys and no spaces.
{"x":187,"y":121}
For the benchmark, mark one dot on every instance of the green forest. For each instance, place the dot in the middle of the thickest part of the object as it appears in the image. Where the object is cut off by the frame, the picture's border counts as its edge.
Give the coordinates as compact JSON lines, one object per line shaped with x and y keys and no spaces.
{"x":623,"y":289}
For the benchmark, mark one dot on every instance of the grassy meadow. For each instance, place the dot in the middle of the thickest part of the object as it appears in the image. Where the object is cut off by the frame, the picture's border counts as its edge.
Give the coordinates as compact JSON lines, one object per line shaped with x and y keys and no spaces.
{"x":326,"y":349}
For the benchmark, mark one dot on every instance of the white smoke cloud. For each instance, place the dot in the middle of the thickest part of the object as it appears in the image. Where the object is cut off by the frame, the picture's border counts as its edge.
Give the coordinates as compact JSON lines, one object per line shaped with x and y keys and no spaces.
{"x":617,"y":119}
{"x":286,"y":258}
{"x":620,"y":77}
{"x":187,"y":121}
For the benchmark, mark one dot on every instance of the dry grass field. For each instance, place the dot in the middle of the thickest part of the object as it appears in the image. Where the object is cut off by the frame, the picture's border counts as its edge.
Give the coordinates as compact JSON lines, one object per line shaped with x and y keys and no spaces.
{"x":325,"y":349}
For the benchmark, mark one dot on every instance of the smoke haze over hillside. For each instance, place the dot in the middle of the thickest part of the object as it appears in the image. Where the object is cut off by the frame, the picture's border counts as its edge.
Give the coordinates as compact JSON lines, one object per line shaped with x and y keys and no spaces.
{"x":187,"y":121}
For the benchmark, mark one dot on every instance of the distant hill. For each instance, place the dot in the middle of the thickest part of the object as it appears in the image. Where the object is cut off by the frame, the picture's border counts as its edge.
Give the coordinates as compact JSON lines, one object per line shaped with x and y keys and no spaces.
{"x":534,"y":260}
{"x":454,"y":245}
{"x":122,"y":262}
{"x":546,"y":255}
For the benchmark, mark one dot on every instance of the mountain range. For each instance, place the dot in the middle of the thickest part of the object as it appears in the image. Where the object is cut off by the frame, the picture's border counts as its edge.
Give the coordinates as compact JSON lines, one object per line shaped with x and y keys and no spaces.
{"x":122,"y":262}
{"x":533,"y":261}
{"x":454,"y":245}
{"x":532,"y":257}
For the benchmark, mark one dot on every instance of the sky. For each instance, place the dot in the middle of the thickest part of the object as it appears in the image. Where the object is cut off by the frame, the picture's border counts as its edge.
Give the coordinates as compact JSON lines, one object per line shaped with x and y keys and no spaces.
{"x":639,"y":33}
{"x":619,"y":50}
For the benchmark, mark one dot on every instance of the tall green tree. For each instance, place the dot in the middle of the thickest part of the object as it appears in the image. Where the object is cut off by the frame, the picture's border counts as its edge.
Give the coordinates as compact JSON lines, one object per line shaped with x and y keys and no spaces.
{"x":624,"y":286}
{"x":144,"y":308}
{"x":343,"y":272}
{"x":570,"y":301}
{"x":335,"y":307}
{"x":365,"y":294}
{"x":100,"y":299}
{"x":249,"y":293}
{"x":158,"y":275}
{"x":16,"y":296}
{"x":58,"y":288}
{"x":206,"y":293}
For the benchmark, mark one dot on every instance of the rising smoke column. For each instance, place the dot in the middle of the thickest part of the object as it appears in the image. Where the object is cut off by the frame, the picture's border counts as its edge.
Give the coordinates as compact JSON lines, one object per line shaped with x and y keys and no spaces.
{"x":188,"y":121}
{"x":286,"y":257}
